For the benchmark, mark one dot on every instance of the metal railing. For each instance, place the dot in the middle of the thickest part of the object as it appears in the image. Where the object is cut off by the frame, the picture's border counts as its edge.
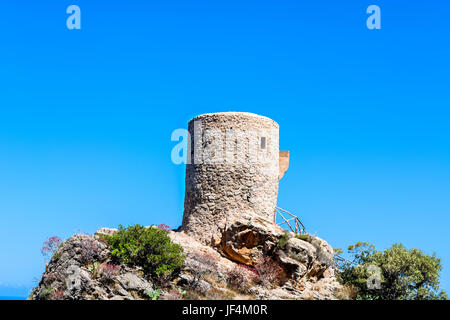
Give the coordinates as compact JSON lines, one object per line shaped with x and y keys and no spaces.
{"x":293,"y":222}
{"x":297,"y":227}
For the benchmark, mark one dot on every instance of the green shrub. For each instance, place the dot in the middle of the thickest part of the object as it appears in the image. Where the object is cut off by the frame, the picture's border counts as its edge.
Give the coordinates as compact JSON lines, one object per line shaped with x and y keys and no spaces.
{"x":149,"y":248}
{"x":393,"y":274}
{"x":154,"y":294}
{"x":305,"y":237}
{"x":94,"y":269}
{"x":283,"y":241}
{"x":45,"y":294}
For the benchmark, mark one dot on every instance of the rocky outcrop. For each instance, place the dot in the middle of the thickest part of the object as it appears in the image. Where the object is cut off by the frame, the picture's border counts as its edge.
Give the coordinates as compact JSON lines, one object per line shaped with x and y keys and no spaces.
{"x":82,"y":267}
{"x":247,"y":239}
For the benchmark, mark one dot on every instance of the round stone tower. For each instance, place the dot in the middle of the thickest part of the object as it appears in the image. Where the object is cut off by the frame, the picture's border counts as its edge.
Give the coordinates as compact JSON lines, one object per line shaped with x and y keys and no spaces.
{"x":232,"y":171}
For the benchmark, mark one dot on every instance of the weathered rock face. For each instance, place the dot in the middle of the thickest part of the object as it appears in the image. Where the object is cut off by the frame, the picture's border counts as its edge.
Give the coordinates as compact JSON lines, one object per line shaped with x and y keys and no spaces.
{"x":246,"y":241}
{"x":82,"y":267}
{"x":233,"y":169}
{"x":248,"y":238}
{"x":80,"y":270}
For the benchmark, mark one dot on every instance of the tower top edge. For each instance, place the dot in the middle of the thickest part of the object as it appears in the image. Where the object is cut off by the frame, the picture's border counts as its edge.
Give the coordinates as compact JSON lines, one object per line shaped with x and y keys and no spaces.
{"x":233,"y":114}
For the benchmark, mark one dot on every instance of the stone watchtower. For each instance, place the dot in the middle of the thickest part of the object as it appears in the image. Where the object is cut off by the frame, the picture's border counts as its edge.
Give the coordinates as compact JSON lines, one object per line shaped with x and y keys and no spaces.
{"x":233,"y":168}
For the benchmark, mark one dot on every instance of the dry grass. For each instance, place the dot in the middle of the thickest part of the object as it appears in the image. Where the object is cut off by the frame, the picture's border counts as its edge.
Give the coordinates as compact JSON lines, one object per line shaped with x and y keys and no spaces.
{"x":346,"y":292}
{"x":216,"y":283}
{"x":212,"y":294}
{"x":220,"y":294}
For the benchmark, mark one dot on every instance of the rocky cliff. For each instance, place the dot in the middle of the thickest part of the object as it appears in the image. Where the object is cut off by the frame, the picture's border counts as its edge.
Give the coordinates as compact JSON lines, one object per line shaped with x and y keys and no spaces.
{"x":252,"y":259}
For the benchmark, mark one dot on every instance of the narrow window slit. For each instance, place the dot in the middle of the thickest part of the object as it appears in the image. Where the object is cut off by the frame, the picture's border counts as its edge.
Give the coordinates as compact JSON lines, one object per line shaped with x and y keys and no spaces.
{"x":263,"y":142}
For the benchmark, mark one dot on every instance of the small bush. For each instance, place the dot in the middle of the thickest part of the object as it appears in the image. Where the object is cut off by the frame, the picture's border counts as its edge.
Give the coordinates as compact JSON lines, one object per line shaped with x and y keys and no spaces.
{"x":269,"y":272}
{"x":49,"y":278}
{"x":90,"y":250}
{"x":324,"y":257}
{"x":202,"y":264}
{"x":402,"y":274}
{"x":154,"y":294}
{"x":172,"y":295}
{"x":241,"y":278}
{"x":51,"y":294}
{"x":94,"y":269}
{"x":252,"y":270}
{"x":283,"y":241}
{"x":149,"y":248}
{"x":163,"y":227}
{"x":305,"y":237}
{"x":56,"y":295}
{"x":50,"y":246}
{"x":108,"y":271}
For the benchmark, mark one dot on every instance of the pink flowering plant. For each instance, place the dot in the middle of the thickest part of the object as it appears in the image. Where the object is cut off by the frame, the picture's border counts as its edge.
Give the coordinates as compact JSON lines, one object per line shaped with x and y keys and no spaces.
{"x":108,"y":271}
{"x":50,"y":246}
{"x":269,"y":272}
{"x":164,"y":227}
{"x":241,"y":277}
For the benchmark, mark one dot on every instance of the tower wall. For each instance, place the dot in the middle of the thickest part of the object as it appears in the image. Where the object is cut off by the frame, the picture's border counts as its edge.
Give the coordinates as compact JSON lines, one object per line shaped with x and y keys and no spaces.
{"x":232,"y":170}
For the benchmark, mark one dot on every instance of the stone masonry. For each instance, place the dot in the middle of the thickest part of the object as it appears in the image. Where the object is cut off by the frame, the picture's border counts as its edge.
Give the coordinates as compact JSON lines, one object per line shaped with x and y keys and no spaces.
{"x":232,"y":171}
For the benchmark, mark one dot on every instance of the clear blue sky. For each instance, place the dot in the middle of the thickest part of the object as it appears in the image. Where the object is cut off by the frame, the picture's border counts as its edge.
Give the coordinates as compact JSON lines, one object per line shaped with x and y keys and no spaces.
{"x":86,"y":115}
